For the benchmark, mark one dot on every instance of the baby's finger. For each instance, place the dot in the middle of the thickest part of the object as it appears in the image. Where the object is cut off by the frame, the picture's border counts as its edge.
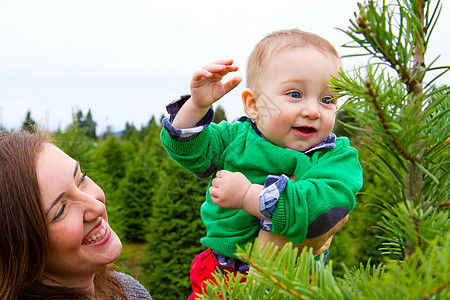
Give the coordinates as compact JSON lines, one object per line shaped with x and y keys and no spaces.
{"x":211,"y":190}
{"x":224,"y":61}
{"x":228,"y":70}
{"x":221,"y":69}
{"x":215,"y":182}
{"x":232,"y":83}
{"x":215,"y":68}
{"x":224,"y":173}
{"x":200,"y":74}
{"x":214,"y":192}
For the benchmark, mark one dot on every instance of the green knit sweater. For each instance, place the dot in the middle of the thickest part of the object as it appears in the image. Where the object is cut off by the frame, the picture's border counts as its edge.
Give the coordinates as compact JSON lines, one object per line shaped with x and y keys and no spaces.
{"x":324,"y":190}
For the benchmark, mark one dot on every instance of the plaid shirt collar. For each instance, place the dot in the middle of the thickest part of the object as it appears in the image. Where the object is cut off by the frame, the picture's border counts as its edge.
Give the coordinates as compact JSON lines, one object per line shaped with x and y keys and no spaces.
{"x":328,"y":143}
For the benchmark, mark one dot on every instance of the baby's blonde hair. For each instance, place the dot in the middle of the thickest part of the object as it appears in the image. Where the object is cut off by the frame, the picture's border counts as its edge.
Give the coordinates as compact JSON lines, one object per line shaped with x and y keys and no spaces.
{"x":282,"y":40}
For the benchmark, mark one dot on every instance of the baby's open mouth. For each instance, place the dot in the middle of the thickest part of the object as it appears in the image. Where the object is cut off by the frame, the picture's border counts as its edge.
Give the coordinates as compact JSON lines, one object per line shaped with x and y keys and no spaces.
{"x":305,"y":129}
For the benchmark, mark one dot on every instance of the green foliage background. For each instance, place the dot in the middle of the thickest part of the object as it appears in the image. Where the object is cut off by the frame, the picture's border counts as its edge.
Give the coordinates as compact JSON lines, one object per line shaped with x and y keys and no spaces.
{"x":154,"y":205}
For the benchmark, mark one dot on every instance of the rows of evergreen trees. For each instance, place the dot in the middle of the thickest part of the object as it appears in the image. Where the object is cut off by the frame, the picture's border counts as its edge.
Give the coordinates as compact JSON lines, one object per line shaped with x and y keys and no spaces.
{"x":154,"y":205}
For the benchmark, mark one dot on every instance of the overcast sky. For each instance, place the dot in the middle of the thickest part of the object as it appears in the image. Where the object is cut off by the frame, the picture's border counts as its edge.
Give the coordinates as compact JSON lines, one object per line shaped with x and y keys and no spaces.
{"x":126,"y":59}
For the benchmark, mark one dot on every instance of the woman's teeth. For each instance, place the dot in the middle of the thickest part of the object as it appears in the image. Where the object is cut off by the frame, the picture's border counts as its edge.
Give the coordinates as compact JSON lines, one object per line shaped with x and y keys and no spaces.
{"x":95,"y":237}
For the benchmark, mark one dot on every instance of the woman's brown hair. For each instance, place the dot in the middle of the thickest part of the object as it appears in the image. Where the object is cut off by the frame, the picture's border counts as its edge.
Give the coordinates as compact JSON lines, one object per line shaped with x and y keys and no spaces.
{"x":24,"y":227}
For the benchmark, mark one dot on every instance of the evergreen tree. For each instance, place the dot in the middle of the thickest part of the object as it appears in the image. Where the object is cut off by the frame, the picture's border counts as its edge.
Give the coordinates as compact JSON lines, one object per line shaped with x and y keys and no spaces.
{"x":142,"y":134}
{"x":29,"y":124}
{"x":403,"y":121}
{"x":219,"y":115}
{"x":342,"y":127}
{"x":77,"y":144}
{"x":161,"y":118}
{"x":357,"y":241}
{"x":400,"y":112}
{"x":173,"y":230}
{"x":137,"y":189}
{"x":90,"y":126}
{"x":107,"y":132}
{"x":110,"y":162}
{"x":288,"y":276}
{"x":132,"y":144}
{"x":112,"y":158}
{"x":130,"y":130}
{"x":79,"y":119}
{"x":87,"y":123}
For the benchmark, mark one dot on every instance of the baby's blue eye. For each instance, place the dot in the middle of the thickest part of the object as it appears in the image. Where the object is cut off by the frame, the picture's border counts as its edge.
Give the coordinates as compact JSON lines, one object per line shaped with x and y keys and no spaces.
{"x":326,"y":100}
{"x":295,"y":95}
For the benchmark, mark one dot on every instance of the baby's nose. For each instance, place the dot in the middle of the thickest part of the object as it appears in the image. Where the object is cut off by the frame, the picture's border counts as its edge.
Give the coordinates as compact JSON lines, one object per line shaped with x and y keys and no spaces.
{"x":311,"y":111}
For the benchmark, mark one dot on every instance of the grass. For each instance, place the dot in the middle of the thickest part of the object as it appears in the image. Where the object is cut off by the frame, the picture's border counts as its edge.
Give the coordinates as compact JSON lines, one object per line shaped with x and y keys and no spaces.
{"x":128,"y":262}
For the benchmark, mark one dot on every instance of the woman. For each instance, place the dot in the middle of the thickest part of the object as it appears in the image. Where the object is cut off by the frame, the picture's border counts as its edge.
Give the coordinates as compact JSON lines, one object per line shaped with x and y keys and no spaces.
{"x":55,"y":241}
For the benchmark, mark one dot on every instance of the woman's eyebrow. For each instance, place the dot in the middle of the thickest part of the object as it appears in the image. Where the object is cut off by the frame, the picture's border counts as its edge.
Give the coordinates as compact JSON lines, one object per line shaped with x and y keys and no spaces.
{"x":77,"y":166}
{"x":55,"y":202}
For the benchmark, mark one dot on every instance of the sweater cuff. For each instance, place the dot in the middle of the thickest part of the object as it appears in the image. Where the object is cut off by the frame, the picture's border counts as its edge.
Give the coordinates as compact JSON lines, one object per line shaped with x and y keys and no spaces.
{"x":183,"y":135}
{"x":279,"y":216}
{"x":273,"y":187}
{"x":184,"y":148}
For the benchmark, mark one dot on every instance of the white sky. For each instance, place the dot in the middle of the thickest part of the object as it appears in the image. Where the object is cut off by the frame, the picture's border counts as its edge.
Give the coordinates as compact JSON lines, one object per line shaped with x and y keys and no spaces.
{"x":126,"y":59}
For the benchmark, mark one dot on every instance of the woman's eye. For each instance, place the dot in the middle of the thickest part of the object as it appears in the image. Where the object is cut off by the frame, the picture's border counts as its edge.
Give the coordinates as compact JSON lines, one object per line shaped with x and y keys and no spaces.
{"x":326,"y":100}
{"x":296,"y":95}
{"x":83,"y":178}
{"x":60,"y":212}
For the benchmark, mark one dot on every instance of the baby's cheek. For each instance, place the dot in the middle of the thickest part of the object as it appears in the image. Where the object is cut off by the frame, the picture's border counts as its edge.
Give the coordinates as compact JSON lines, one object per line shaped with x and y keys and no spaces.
{"x":280,"y":123}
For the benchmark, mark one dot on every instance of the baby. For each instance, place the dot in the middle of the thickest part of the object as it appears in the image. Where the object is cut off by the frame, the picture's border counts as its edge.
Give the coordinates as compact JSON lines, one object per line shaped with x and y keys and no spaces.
{"x":287,"y":133}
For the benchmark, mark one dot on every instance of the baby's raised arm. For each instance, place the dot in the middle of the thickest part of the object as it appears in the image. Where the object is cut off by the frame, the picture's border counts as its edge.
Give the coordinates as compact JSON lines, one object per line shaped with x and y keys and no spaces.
{"x":206,"y":88}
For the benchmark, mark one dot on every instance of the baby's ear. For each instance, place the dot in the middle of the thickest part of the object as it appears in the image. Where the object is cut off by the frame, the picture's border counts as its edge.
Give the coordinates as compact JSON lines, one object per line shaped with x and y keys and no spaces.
{"x":249,"y":101}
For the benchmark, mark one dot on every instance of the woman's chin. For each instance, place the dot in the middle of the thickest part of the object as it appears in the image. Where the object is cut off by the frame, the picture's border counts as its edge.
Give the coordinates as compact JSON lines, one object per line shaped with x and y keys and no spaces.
{"x":116,"y":246}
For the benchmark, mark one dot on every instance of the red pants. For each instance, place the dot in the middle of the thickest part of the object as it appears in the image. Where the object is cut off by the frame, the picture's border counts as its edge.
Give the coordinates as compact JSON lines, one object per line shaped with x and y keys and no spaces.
{"x":202,"y":269}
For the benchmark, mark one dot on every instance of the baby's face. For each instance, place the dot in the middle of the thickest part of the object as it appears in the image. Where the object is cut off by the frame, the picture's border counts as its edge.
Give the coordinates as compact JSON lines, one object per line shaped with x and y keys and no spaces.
{"x":294,"y":107}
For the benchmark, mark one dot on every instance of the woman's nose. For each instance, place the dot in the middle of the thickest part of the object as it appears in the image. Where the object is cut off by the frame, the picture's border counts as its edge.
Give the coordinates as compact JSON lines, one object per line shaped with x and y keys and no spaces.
{"x":93,"y":208}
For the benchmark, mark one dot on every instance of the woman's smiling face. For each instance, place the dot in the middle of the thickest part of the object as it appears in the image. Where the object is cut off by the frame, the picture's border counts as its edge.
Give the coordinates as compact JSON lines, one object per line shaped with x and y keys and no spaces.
{"x":80,"y":239}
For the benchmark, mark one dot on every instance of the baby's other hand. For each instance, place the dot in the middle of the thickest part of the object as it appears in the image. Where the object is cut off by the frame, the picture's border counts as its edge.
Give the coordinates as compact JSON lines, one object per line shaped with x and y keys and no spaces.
{"x":228,"y":189}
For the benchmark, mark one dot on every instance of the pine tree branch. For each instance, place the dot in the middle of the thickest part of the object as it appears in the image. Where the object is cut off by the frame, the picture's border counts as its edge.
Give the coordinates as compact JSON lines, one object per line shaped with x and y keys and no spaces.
{"x":379,"y":45}
{"x":415,"y":221}
{"x":419,"y":64}
{"x":379,"y":112}
{"x":272,"y":278}
{"x":436,"y":291}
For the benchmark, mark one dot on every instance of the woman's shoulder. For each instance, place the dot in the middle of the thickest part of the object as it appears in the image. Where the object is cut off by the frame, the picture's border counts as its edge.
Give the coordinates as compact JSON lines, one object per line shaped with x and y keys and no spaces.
{"x":132,"y":287}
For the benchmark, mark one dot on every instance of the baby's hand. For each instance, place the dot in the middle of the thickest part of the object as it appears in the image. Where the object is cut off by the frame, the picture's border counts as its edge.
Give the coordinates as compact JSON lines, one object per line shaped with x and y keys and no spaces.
{"x":207,"y":86}
{"x":228,"y":189}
